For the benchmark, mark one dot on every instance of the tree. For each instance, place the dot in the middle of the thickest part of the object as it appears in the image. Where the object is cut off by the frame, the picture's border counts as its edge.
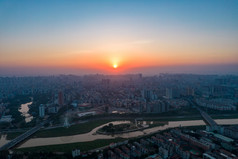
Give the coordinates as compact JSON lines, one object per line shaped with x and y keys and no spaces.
{"x":110,"y":125}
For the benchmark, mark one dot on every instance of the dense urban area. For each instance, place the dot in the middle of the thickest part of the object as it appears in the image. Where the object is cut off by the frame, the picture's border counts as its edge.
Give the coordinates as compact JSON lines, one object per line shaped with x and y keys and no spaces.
{"x":121,"y":116}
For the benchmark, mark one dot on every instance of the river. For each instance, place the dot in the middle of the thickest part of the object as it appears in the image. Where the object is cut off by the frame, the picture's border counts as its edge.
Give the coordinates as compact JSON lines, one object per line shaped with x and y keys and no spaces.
{"x":93,"y":136}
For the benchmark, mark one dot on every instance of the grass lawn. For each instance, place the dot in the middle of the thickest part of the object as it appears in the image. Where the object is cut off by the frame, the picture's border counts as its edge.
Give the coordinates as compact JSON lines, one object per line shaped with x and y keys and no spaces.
{"x":72,"y":130}
{"x":83,"y":146}
{"x":192,"y":117}
{"x":13,"y":135}
{"x":198,"y":127}
{"x":225,"y":116}
{"x":86,"y":146}
{"x":87,"y":127}
{"x":175,"y":118}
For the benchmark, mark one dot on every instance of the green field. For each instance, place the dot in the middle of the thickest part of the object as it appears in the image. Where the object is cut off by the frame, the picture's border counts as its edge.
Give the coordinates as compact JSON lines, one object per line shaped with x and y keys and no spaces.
{"x":87,"y":127}
{"x":72,"y":130}
{"x":220,"y":116}
{"x":13,"y":135}
{"x":86,"y":146}
{"x":83,"y":146}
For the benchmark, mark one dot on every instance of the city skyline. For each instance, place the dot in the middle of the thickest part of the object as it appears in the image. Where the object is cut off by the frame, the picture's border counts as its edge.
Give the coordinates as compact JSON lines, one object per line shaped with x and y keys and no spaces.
{"x":119,"y":79}
{"x":149,"y":37}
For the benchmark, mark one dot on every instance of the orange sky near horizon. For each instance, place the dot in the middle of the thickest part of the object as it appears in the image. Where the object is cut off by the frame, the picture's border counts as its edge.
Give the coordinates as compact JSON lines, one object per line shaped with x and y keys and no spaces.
{"x":126,"y":50}
{"x":131,"y":34}
{"x":126,"y":57}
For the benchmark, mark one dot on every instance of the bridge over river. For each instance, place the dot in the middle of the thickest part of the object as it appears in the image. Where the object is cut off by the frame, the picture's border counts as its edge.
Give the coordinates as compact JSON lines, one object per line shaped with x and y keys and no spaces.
{"x":22,"y":137}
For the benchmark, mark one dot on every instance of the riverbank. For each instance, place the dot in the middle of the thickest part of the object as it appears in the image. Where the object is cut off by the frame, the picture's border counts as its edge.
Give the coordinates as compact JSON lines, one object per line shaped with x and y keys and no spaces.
{"x":67,"y":148}
{"x":72,"y":130}
{"x":140,"y":127}
{"x":92,"y":136}
{"x":111,"y":129}
{"x":93,"y":123}
{"x":62,"y":131}
{"x":92,"y":145}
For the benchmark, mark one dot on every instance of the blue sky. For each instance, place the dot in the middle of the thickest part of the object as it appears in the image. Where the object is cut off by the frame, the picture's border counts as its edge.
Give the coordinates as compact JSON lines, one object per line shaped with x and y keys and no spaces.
{"x":202,"y":14}
{"x":34,"y":29}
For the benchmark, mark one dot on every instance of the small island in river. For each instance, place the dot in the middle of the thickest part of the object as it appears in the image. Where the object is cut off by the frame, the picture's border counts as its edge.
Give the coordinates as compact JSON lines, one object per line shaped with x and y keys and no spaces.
{"x":120,"y":128}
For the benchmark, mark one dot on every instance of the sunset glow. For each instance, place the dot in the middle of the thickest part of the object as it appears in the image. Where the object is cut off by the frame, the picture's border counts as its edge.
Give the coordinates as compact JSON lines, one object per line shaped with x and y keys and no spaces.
{"x":115,"y":66}
{"x":74,"y":69}
{"x":130,"y":34}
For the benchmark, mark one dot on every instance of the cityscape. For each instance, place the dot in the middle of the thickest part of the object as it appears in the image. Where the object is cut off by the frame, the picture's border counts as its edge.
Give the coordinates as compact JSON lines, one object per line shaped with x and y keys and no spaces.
{"x":126,"y":79}
{"x":194,"y":113}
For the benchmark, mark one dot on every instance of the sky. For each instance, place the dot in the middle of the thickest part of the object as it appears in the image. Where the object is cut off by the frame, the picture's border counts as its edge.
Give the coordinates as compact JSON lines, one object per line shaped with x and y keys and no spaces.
{"x":139,"y":36}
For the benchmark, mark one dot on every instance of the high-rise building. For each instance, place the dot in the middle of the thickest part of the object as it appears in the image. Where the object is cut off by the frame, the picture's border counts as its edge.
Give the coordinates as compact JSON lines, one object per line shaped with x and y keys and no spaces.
{"x":42,"y":110}
{"x":148,"y":108}
{"x":148,"y":95}
{"x":190,"y":91}
{"x":171,"y":93}
{"x":141,"y":107}
{"x":157,"y":106}
{"x":60,"y":98}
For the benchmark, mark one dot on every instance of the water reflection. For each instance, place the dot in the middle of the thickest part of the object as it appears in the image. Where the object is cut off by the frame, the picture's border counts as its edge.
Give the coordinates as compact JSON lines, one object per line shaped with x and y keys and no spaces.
{"x":3,"y":140}
{"x":24,"y":109}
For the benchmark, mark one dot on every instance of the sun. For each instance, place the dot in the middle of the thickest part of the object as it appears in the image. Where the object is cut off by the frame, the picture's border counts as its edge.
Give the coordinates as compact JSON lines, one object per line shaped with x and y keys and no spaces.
{"x":115,"y":66}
